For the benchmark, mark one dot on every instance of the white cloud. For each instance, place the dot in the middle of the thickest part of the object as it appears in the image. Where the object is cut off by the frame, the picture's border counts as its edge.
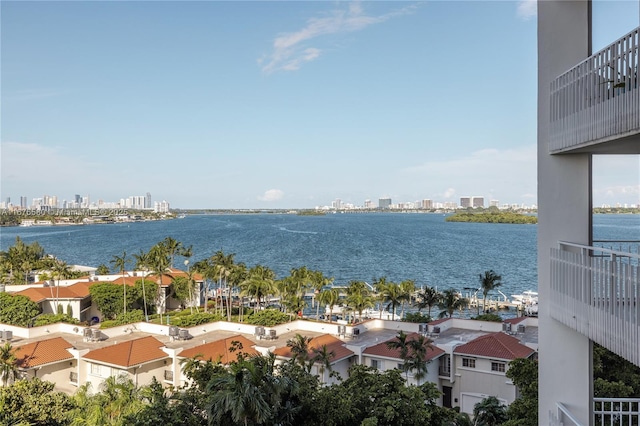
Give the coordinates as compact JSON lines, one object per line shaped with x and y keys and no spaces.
{"x":527,"y":9}
{"x":290,"y":51}
{"x":450,"y":192}
{"x":271,"y":195}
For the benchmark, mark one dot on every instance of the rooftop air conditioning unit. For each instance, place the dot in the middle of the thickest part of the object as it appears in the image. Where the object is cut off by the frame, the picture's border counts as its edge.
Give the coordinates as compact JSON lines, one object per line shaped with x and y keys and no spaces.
{"x":342,"y":329}
{"x":86,"y":332}
{"x":422,"y":328}
{"x":521,"y":328}
{"x":183,"y":334}
{"x":259,"y":331}
{"x":173,"y":331}
{"x":506,"y":326}
{"x":272,"y":334}
{"x":95,"y":334}
{"x":436,"y":329}
{"x":7,"y":335}
{"x":356,"y":331}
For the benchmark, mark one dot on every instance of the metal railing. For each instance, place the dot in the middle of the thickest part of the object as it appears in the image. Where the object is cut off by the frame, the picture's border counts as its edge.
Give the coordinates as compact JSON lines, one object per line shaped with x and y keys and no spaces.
{"x":596,"y":292}
{"x":616,"y":411}
{"x":597,"y":99}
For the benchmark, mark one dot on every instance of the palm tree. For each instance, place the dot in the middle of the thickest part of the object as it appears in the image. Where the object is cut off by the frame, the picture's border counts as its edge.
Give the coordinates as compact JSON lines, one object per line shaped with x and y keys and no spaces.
{"x":407,"y":287}
{"x":330,"y":297}
{"x":60,"y":270}
{"x":259,"y":283}
{"x":391,"y":294}
{"x":239,"y":274}
{"x":323,"y":356}
{"x":451,"y":301}
{"x":8,"y":366}
{"x":142,"y":263}
{"x":172,"y":247}
{"x":299,"y":346}
{"x":489,"y":412}
{"x":359,"y":297}
{"x":120,"y":262}
{"x":400,"y":344}
{"x":318,"y":282}
{"x":489,"y":281}
{"x":223,"y":267}
{"x":158,"y":261}
{"x":428,"y":297}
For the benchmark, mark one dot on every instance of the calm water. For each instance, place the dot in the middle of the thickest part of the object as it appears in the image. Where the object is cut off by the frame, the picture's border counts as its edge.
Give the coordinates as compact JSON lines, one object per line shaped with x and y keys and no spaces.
{"x":422,"y":247}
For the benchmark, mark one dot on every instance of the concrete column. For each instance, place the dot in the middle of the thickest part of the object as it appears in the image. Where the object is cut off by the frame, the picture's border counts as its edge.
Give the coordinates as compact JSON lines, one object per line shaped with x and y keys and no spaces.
{"x":564,"y":213}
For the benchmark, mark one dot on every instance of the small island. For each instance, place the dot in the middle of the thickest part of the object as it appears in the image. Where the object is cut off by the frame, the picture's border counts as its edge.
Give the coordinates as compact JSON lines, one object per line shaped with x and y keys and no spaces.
{"x":492,"y":217}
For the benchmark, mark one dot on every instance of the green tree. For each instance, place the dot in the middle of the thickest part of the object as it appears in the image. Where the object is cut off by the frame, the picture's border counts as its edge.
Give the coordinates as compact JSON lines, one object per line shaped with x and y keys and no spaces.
{"x":489,"y":281}
{"x":427,"y":297}
{"x":223,"y":266}
{"x":60,"y":271}
{"x":158,"y":262}
{"x":102,"y":269}
{"x":392,"y":294}
{"x":17,"y":309}
{"x":120,"y":263}
{"x":329,"y":297}
{"x":259,"y":284}
{"x":524,"y":375}
{"x":489,"y":412}
{"x":171,"y":247}
{"x":142,"y":264}
{"x":318,"y":283}
{"x":323,"y":356}
{"x":407,"y":288}
{"x":108,"y":299}
{"x":359,"y":297}
{"x":451,"y":301}
{"x":299,"y":346}
{"x":183,"y":289}
{"x":8,"y":365}
{"x":33,"y":402}
{"x":413,"y":352}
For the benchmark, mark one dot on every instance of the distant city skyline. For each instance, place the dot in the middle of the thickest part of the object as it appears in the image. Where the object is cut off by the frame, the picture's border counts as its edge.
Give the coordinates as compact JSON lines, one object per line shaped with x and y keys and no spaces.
{"x":210,"y":105}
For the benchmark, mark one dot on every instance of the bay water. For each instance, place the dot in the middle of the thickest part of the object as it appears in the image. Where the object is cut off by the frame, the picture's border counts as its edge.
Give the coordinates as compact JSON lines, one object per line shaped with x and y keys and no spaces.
{"x":363,"y":246}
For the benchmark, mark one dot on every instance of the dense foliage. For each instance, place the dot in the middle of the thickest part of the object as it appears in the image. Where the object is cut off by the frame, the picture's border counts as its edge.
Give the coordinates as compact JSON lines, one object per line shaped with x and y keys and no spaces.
{"x":492,"y":217}
{"x":46,"y":319}
{"x":17,"y":309}
{"x":268,"y":318}
{"x":488,"y":317}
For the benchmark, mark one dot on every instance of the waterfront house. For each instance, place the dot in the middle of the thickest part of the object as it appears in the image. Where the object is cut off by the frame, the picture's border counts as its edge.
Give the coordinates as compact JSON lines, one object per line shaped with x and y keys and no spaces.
{"x":138,"y":359}
{"x":588,"y":105}
{"x":49,"y":360}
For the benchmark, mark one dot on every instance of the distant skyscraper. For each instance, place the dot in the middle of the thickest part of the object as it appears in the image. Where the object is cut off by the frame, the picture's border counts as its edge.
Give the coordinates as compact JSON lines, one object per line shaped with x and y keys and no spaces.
{"x":147,"y":202}
{"x":8,"y":201}
{"x":427,"y":204}
{"x":477,"y":202}
{"x":494,"y":203}
{"x":23,"y":202}
{"x":384,"y":203}
{"x":77,"y":199}
{"x":465,"y":202}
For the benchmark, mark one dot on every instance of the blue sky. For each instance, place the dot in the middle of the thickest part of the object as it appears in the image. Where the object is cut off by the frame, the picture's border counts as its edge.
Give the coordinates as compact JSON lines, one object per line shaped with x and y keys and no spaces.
{"x":279,"y":104}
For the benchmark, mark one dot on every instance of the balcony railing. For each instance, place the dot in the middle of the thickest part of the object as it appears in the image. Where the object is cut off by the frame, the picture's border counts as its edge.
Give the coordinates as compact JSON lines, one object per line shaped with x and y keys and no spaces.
{"x":606,"y":411}
{"x":598,"y":99}
{"x":596,"y":292}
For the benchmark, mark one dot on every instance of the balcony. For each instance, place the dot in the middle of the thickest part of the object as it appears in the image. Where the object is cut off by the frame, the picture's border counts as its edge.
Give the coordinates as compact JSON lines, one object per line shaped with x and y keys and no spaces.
{"x":598,"y":100}
{"x":606,"y":411}
{"x":596,"y":292}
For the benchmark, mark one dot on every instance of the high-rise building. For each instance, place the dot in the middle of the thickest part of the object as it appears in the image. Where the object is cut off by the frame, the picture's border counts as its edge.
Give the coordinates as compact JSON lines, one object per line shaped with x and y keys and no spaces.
{"x":427,"y":204}
{"x":494,"y":203}
{"x":368,"y":204}
{"x":147,"y":202}
{"x":384,"y":203}
{"x":477,"y":202}
{"x":23,"y":202}
{"x":465,"y":202}
{"x":588,"y":103}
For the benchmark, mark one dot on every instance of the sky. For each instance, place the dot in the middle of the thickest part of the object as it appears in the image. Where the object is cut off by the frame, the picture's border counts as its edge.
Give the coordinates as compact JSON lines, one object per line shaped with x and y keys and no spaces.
{"x":280,"y":104}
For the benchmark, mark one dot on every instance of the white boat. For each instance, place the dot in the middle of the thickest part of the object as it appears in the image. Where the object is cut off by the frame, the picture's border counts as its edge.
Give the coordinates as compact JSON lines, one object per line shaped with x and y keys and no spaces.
{"x":528,"y":297}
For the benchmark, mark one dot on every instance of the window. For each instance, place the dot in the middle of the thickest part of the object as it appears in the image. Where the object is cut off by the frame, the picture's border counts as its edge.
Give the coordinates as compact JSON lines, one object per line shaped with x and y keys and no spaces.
{"x":168,"y":375}
{"x":95,"y":370}
{"x":498,"y":366}
{"x":73,"y":377}
{"x":375,"y":364}
{"x":469,"y":362}
{"x":445,"y":365}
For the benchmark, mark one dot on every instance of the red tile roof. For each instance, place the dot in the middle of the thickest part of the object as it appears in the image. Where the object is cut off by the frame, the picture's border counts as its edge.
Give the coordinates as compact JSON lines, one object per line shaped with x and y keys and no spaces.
{"x":381,"y":349}
{"x":495,"y":345}
{"x":515,"y":320}
{"x":130,"y":353}
{"x":75,"y":291}
{"x":219,"y":350}
{"x":43,"y":352}
{"x":333,"y":344}
{"x":439,"y":321}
